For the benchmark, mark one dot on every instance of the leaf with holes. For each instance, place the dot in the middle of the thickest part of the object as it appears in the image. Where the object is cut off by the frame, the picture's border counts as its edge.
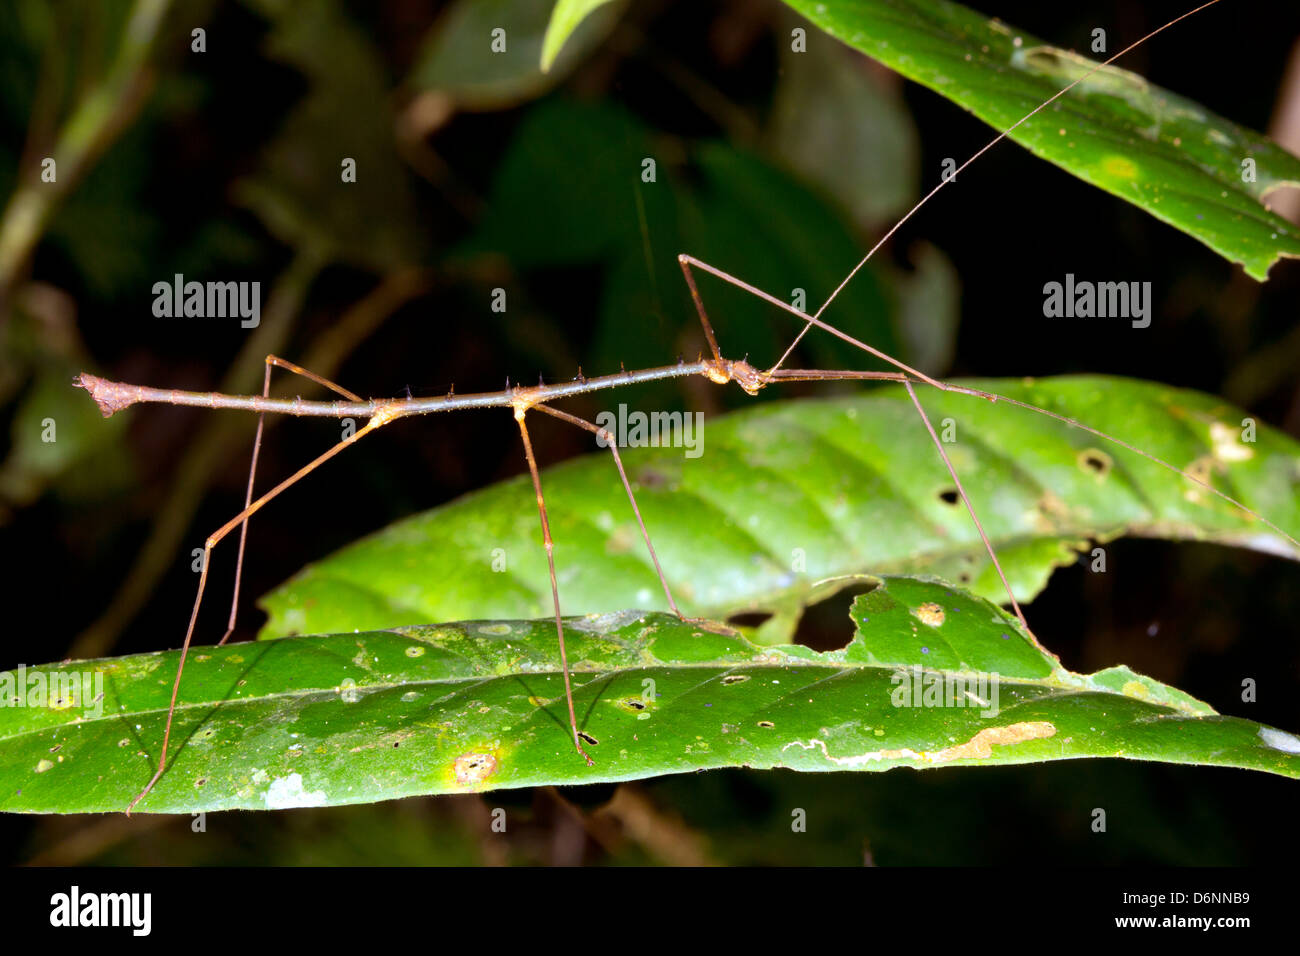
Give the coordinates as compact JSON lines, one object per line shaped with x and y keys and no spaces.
{"x":1153,"y":148}
{"x":787,"y":500}
{"x":932,"y":677}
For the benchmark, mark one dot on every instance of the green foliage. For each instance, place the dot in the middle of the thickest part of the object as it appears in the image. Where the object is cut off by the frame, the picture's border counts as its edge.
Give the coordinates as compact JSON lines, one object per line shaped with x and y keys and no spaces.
{"x":565,"y":19}
{"x":1153,"y":148}
{"x":458,"y":60}
{"x":932,"y":677}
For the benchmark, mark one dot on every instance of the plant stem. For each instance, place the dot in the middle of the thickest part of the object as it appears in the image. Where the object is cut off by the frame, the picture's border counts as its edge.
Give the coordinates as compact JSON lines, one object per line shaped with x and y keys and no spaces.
{"x":96,"y":121}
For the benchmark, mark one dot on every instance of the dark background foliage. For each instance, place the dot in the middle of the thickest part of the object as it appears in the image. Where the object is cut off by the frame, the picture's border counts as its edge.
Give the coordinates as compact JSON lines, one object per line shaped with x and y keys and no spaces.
{"x":230,"y":171}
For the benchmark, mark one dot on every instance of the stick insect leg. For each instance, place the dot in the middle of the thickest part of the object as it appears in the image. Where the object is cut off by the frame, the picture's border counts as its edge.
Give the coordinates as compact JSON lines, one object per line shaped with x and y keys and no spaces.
{"x":777,"y":374}
{"x":798,"y":375}
{"x":970,"y":508}
{"x":520,"y":411}
{"x":754,"y":290}
{"x":211,"y":543}
{"x":612,"y":443}
{"x":686,"y":262}
{"x":271,"y":360}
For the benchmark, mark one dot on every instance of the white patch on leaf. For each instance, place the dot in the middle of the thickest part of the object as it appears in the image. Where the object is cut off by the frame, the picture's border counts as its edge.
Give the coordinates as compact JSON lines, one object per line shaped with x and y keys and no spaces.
{"x":286,"y":792}
{"x":1280,"y":740}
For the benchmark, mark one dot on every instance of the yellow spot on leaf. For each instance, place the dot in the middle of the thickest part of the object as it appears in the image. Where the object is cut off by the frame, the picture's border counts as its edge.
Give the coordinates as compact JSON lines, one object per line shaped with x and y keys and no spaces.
{"x":931,"y":614}
{"x":1121,"y":167}
{"x":472,"y":769}
{"x":980,"y":747}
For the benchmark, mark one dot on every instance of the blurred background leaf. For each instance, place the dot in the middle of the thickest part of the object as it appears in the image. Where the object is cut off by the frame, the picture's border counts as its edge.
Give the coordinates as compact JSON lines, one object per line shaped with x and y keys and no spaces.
{"x":459,"y":61}
{"x":304,"y":199}
{"x":565,"y":19}
{"x":860,"y":112}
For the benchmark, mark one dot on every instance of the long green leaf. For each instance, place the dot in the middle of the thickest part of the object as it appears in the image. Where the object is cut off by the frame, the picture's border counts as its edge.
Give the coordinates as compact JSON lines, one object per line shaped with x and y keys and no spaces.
{"x":565,"y":18}
{"x":789,"y":494}
{"x":933,"y":677}
{"x":1160,"y":151}
{"x":497,"y":54}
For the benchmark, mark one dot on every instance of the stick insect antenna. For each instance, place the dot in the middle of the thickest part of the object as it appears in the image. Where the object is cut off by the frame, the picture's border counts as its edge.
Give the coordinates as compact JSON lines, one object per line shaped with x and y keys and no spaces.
{"x":984,"y":149}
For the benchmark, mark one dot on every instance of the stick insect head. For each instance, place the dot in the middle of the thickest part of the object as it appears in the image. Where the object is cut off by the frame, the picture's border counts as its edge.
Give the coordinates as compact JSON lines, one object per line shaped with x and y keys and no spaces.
{"x":721,"y":371}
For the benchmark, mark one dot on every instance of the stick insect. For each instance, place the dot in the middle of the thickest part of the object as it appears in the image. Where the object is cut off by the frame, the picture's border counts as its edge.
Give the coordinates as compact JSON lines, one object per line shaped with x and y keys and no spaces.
{"x":520,"y":401}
